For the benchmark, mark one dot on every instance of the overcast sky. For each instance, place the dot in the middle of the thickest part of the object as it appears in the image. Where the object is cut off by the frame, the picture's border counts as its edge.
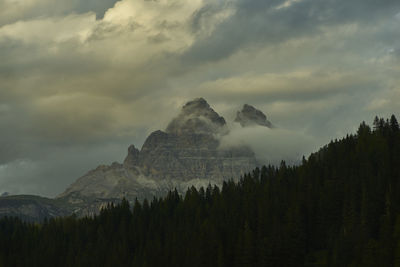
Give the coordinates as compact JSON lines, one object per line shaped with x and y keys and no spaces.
{"x":80,"y":80}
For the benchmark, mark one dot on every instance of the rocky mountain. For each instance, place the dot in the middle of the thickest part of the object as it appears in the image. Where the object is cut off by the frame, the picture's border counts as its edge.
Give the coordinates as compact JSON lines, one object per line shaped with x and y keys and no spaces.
{"x":197,"y":117}
{"x":250,"y":116}
{"x":187,"y":153}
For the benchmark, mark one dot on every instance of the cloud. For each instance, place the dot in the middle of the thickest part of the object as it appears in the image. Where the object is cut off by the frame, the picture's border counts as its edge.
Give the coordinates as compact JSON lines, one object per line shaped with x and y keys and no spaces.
{"x":12,"y":11}
{"x":258,"y":22}
{"x":50,"y":172}
{"x":271,"y":146}
{"x":91,"y":76}
{"x":300,"y":85}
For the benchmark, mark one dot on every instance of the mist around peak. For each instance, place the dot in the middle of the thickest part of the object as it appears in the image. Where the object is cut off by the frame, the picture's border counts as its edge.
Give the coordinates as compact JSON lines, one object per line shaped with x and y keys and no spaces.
{"x":270,"y":146}
{"x":250,"y":116}
{"x":198,"y":117}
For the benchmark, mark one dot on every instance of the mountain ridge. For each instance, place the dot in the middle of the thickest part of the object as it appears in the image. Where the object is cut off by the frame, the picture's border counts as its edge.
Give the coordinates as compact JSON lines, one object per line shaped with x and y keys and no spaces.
{"x":187,"y":153}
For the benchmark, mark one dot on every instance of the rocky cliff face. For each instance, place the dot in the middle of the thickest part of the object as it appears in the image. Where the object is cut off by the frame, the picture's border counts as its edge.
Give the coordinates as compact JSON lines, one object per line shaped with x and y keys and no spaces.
{"x":187,"y":153}
{"x":190,"y":156}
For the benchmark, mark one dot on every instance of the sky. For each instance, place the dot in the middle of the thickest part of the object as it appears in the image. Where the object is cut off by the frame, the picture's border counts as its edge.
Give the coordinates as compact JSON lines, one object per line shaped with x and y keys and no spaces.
{"x":81,"y":80}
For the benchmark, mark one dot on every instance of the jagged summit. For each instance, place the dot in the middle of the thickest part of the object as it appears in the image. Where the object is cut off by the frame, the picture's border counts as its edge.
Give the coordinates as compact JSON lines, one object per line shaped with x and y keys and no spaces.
{"x":249,"y":116}
{"x":132,"y":159}
{"x":197,"y":117}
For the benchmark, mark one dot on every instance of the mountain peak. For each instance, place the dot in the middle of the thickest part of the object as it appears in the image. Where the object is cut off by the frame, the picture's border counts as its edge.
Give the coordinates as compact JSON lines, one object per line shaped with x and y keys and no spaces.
{"x":198,"y":117}
{"x":132,"y":158}
{"x":198,"y":103}
{"x":249,"y":116}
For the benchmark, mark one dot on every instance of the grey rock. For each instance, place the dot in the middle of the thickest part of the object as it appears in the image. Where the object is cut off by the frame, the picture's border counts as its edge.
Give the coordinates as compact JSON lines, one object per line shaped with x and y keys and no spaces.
{"x":197,"y":117}
{"x":250,"y":116}
{"x":132,"y":159}
{"x":187,"y":156}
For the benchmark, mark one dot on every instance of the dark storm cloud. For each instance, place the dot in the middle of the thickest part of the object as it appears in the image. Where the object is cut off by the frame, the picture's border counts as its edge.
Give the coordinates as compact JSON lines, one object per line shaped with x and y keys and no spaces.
{"x":11,"y":11}
{"x":258,"y":22}
{"x":97,"y":6}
